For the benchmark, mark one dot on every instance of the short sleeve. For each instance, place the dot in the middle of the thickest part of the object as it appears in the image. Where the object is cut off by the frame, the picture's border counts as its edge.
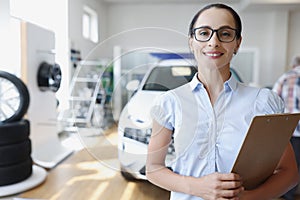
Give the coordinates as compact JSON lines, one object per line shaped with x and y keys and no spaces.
{"x":162,"y":110}
{"x":277,"y":88}
{"x":268,"y":102}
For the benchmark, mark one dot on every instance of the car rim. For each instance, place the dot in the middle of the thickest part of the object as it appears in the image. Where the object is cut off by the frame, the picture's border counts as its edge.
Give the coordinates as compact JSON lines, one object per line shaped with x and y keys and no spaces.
{"x":14,"y":98}
{"x":10,"y":99}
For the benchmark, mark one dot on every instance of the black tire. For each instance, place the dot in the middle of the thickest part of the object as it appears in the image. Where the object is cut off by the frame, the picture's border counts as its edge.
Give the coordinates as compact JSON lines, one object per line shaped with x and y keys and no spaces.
{"x":127,"y":176}
{"x":14,"y":98}
{"x":16,"y":153}
{"x":14,"y":132}
{"x":15,"y":173}
{"x":49,"y":77}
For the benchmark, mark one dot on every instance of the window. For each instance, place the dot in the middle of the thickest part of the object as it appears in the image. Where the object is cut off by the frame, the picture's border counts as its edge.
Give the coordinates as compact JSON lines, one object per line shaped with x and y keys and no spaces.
{"x":90,"y":24}
{"x":166,"y":78}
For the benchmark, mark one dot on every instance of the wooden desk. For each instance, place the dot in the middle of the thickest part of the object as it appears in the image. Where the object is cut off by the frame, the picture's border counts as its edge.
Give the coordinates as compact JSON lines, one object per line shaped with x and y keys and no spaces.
{"x":82,"y":177}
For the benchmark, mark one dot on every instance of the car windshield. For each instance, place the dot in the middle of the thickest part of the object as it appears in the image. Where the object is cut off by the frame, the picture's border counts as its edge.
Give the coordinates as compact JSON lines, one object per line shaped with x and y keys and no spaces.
{"x":166,"y":78}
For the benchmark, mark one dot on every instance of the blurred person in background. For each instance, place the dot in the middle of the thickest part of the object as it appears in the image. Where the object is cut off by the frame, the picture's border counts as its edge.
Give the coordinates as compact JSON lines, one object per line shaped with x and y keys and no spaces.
{"x":288,"y":88}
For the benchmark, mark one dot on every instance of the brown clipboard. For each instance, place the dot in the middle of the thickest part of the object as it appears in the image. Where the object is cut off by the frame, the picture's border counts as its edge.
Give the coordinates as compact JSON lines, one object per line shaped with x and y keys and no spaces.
{"x":265,"y":142}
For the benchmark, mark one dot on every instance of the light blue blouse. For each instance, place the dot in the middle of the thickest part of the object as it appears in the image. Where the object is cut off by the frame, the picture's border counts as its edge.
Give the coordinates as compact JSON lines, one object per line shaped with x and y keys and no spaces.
{"x":207,"y":138}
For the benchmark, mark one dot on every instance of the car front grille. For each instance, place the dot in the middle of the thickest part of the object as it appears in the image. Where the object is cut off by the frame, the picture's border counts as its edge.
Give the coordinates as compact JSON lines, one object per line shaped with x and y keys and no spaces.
{"x":143,"y":136}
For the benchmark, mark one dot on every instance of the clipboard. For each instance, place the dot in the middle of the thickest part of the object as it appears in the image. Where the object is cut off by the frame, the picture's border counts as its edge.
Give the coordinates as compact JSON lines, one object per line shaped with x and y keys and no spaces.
{"x":265,"y":142}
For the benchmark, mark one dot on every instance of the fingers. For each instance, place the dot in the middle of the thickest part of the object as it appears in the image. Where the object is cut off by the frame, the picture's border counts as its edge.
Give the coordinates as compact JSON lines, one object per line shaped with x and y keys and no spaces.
{"x":232,"y":192}
{"x":229,"y":177}
{"x":219,"y":186}
{"x":227,"y":181}
{"x":231,"y":181}
{"x":229,"y":185}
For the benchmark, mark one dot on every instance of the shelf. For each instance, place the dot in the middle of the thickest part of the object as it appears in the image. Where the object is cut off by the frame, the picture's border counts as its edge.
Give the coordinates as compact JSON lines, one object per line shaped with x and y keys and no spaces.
{"x":93,"y":80}
{"x":84,"y":89}
{"x":74,"y":98}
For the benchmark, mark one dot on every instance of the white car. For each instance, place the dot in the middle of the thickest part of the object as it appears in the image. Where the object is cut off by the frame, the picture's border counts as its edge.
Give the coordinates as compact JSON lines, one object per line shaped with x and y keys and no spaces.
{"x":135,"y":122}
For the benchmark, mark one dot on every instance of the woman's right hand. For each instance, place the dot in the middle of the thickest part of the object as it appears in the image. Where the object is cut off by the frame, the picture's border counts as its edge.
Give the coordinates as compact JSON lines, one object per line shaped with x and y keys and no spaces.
{"x":216,"y":186}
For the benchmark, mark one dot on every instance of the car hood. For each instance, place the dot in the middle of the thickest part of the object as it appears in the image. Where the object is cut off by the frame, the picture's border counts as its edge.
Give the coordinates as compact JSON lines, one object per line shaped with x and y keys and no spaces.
{"x":139,"y":106}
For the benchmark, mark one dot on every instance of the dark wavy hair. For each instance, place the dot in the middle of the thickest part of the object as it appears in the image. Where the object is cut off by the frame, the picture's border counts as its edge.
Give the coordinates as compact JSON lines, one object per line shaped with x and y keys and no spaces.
{"x":236,"y":17}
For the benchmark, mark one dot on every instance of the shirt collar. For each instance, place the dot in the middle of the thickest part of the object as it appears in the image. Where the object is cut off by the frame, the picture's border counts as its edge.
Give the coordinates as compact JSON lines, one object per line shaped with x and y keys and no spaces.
{"x":195,"y":83}
{"x":229,"y":85}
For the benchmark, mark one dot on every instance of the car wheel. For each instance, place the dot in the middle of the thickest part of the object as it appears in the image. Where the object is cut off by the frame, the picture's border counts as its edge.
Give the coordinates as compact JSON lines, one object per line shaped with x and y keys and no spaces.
{"x":127,"y":175}
{"x":14,"y":132}
{"x":14,"y":97}
{"x":49,"y":77}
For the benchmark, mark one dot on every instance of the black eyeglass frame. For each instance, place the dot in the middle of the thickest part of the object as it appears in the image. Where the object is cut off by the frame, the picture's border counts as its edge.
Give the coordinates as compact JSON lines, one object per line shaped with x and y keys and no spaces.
{"x":213,"y":31}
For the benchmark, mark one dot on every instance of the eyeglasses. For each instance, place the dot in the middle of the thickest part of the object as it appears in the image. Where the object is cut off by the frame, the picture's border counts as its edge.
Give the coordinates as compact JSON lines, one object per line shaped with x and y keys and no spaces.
{"x":205,"y":33}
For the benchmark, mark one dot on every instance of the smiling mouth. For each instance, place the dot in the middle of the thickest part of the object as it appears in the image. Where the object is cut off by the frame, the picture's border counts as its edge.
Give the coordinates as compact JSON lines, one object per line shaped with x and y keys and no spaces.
{"x":213,"y":54}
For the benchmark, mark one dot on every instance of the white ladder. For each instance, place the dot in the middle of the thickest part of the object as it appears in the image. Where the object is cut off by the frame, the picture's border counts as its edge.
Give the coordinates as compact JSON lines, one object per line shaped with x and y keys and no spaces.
{"x":84,"y":88}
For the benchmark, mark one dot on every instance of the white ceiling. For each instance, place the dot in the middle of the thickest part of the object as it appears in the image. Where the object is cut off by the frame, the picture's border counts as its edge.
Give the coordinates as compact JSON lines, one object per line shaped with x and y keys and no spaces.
{"x":165,"y":1}
{"x":243,"y":4}
{"x":205,"y":1}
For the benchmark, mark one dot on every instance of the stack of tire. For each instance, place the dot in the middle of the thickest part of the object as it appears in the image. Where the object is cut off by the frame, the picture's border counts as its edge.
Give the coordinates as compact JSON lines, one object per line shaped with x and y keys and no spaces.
{"x":15,"y":145}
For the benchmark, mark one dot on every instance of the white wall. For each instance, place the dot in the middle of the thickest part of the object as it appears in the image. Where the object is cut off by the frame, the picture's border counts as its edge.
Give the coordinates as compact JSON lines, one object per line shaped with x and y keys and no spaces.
{"x":4,"y":12}
{"x":261,"y":30}
{"x":9,"y":51}
{"x":267,"y":30}
{"x":4,"y":20}
{"x":273,"y":32}
{"x":51,"y":15}
{"x":175,"y":17}
{"x":294,"y":35}
{"x":75,"y":26}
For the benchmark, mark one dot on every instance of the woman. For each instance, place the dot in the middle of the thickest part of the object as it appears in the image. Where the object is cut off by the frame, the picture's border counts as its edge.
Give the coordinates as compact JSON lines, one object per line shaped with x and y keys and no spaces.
{"x":208,"y":119}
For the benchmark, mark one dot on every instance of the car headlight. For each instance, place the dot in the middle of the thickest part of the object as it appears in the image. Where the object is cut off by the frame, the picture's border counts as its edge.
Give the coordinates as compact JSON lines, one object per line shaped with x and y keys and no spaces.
{"x":143,"y":136}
